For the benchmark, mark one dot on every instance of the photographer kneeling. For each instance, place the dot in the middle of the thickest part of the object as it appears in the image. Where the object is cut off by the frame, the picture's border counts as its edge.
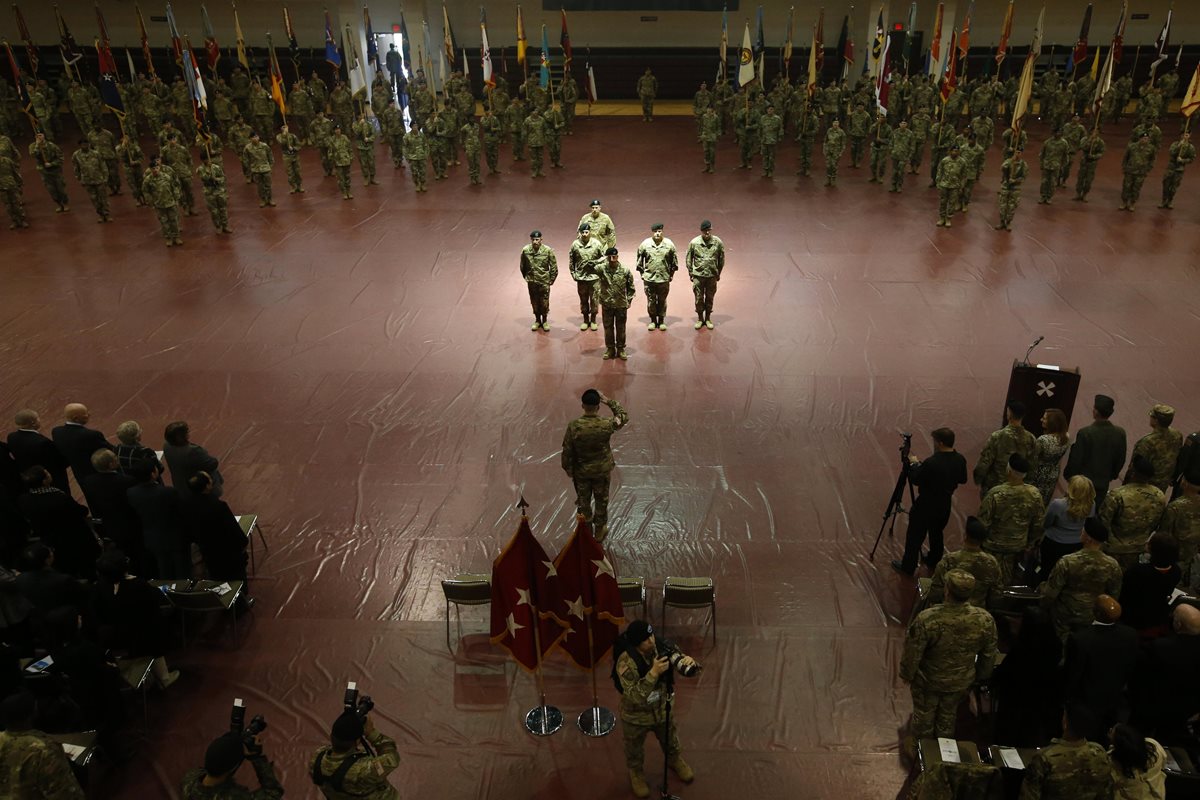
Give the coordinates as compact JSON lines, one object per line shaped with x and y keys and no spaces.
{"x":342,"y":770}
{"x":222,"y":759}
{"x":641,"y":671}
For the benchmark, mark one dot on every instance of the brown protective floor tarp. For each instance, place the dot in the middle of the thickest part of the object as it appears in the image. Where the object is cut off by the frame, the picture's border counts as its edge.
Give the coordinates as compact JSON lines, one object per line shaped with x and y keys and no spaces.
{"x":366,"y":373}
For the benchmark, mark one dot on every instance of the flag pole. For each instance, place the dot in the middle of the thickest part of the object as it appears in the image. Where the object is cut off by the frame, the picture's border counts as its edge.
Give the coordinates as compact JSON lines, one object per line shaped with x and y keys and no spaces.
{"x":543,"y":720}
{"x":597,"y":720}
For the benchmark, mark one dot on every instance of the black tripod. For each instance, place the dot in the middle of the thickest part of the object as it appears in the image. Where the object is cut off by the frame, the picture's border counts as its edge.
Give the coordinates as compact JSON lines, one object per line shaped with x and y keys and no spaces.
{"x":895,"y":506}
{"x":669,"y":688}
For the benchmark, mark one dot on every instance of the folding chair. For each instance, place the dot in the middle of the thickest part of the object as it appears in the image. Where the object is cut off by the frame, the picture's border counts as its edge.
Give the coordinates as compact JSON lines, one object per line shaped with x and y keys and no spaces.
{"x":690,"y":593}
{"x":1011,"y":601}
{"x":201,"y":600}
{"x":465,"y":589}
{"x":249,"y":523}
{"x":136,"y":673}
{"x":633,"y":593}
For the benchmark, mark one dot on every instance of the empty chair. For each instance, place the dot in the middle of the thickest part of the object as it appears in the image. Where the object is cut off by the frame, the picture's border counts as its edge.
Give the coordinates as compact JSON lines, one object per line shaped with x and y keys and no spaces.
{"x":690,"y":593}
{"x":465,"y":589}
{"x":633,"y":593}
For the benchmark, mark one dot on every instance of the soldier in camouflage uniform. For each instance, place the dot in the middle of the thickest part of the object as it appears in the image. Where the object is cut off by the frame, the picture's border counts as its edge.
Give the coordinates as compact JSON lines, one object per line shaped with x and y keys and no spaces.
{"x":48,"y":158}
{"x":1013,"y":172}
{"x":881,"y":141}
{"x":1079,"y":578}
{"x":710,"y":131}
{"x":391,"y":121}
{"x":657,"y":261}
{"x":638,"y":669}
{"x":216,"y":196}
{"x":1161,"y":446}
{"x":471,"y":148}
{"x":493,"y":132}
{"x":261,"y":160}
{"x":300,"y":110}
{"x":745,"y":128}
{"x":585,"y":257}
{"x":947,"y":649}
{"x":10,"y":190}
{"x":1182,"y":520}
{"x":515,"y":123}
{"x":535,"y":137}
{"x":440,"y":133}
{"x":1131,"y":512}
{"x":341,"y":106}
{"x":32,"y":765}
{"x":1074,"y":133}
{"x":131,"y":154}
{"x":1091,"y":149}
{"x":1071,"y":767}
{"x":416,"y":153}
{"x":1179,"y":156}
{"x":341,"y":156}
{"x":289,"y":146}
{"x":807,"y":128}
{"x":1054,"y":155}
{"x":587,"y":456}
{"x":901,"y":149}
{"x":105,"y":144}
{"x":992,"y":466}
{"x":647,"y":90}
{"x":222,"y":760}
{"x":1014,"y":515}
{"x":1136,"y":165}
{"x":321,"y":130}
{"x":366,"y":777}
{"x":920,"y":123}
{"x":160,"y":187}
{"x":539,"y":268}
{"x":239,"y":137}
{"x":614,"y":292}
{"x":859,"y":130}
{"x":178,"y":160}
{"x":364,"y":141}
{"x":601,"y":224}
{"x":705,"y":260}
{"x":973,"y":156}
{"x":556,"y":123}
{"x":91,"y":172}
{"x":971,"y":558}
{"x":834,"y":146}
{"x":770,"y":131}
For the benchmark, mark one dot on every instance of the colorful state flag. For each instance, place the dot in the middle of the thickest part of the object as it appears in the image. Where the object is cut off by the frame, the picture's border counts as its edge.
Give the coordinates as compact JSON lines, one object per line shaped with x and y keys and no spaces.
{"x":1191,"y":99}
{"x":950,"y":79}
{"x":1079,"y":55}
{"x":564,"y":42}
{"x":524,"y":583}
{"x":846,"y":46}
{"x":745,"y":60}
{"x":145,"y":41}
{"x":293,"y":45}
{"x":31,"y":51}
{"x":723,"y":47}
{"x":405,"y":50}
{"x":485,"y":51}
{"x":1025,"y":87}
{"x":176,"y":41}
{"x":1161,"y":44}
{"x":22,"y":92}
{"x":332,"y":56}
{"x":240,"y":40}
{"x":591,"y":83}
{"x":277,"y":91}
{"x":587,"y":591}
{"x":544,"y":69}
{"x":448,"y":42}
{"x":70,"y":51}
{"x":372,"y":45}
{"x":522,"y":45}
{"x":1005,"y":33}
{"x":108,"y":68}
{"x":211,"y":49}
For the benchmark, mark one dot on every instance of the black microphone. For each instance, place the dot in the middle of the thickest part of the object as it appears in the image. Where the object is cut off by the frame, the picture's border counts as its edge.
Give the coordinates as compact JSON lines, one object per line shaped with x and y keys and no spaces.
{"x":1036,"y":342}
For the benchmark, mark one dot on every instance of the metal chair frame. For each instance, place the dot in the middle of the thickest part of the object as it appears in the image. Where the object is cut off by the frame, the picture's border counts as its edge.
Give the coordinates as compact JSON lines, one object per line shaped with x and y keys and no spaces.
{"x":464,"y":589}
{"x":703,"y":594}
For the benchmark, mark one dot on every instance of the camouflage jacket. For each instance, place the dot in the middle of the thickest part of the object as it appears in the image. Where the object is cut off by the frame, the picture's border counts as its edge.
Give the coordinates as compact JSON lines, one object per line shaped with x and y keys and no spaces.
{"x":1180,"y":155}
{"x":535,"y":130}
{"x":949,"y":647}
{"x":299,"y":102}
{"x":710,"y":127}
{"x":340,"y":151}
{"x":470,"y":138}
{"x":34,"y":766}
{"x":860,"y":124}
{"x":391,"y":121}
{"x":321,"y":128}
{"x":8,"y":173}
{"x":289,"y":145}
{"x":178,"y":158}
{"x":903,"y":144}
{"x":657,"y":263}
{"x":46,"y":156}
{"x":212,"y":178}
{"x":539,"y":266}
{"x":1014,"y":516}
{"x":103,"y":141}
{"x":1074,"y":583}
{"x":993,"y":460}
{"x":602,"y":228}
{"x":269,"y":787}
{"x":585,"y":258}
{"x":1131,"y":513}
{"x":1139,"y":158}
{"x":364,"y":134}
{"x":1076,"y":770}
{"x":90,"y":168}
{"x":643,"y":699}
{"x":950,"y":173}
{"x":615,"y":285}
{"x":1013,"y":173}
{"x":585,"y":450}
{"x":1182,"y":520}
{"x":705,"y":259}
{"x":835,"y":143}
{"x":259,"y":157}
{"x":416,"y":146}
{"x":130,"y":153}
{"x":982,"y":565}
{"x":493,"y":129}
{"x":1161,"y":447}
{"x":770,"y":128}
{"x":160,"y":188}
{"x":367,"y":778}
{"x":1055,"y":153}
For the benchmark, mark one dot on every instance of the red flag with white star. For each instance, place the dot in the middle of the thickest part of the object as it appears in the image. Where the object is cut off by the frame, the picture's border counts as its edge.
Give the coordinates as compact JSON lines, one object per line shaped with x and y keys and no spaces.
{"x":523,"y":595}
{"x":587,"y":587}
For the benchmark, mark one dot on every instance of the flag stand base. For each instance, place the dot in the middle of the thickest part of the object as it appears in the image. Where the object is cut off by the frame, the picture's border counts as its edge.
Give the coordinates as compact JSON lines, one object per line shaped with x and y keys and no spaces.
{"x":597,"y":721}
{"x":543,"y":720}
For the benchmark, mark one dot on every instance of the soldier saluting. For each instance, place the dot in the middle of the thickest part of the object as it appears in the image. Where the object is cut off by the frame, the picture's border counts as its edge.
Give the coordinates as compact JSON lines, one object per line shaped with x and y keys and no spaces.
{"x":587,"y":457}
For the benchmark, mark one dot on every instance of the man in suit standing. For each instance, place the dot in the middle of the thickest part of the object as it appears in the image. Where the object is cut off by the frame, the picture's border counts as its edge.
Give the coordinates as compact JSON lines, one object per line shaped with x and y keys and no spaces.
{"x":31,"y":449}
{"x":77,"y":442}
{"x":1166,"y":693}
{"x":185,"y":459}
{"x":1100,"y":660}
{"x":159,"y":508}
{"x":1099,"y":450}
{"x":106,"y":490}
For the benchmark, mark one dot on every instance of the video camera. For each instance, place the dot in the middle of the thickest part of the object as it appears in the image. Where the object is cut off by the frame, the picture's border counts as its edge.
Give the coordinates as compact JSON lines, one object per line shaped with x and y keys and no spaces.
{"x":361,"y":705}
{"x":670,"y":651}
{"x":905,"y":447}
{"x":238,"y":726}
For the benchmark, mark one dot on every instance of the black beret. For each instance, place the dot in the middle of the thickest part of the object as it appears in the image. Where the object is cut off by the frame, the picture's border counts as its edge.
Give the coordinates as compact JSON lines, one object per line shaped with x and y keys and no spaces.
{"x":706,"y":225}
{"x":612,"y":251}
{"x":638,"y":631}
{"x":591,"y":398}
{"x":658,"y":226}
{"x":1018,"y":463}
{"x":224,"y":755}
{"x":1095,"y":529}
{"x":348,"y":727}
{"x":585,"y":227}
{"x":535,"y":234}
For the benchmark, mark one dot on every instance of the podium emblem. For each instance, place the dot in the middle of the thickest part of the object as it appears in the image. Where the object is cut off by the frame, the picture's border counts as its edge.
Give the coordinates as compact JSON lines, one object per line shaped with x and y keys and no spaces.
{"x":1045,"y":389}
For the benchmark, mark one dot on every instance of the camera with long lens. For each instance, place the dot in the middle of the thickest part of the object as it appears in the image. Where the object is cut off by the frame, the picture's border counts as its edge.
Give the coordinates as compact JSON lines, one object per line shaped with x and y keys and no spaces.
{"x":670,"y":651}
{"x":361,"y":705}
{"x":905,"y":447}
{"x":238,"y":726}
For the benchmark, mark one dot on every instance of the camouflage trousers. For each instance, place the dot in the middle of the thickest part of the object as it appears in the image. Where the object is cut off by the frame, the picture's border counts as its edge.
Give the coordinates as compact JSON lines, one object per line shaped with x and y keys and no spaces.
{"x":934,"y":713}
{"x":98,"y":194}
{"x":1009,"y":200}
{"x":591,"y":497}
{"x":806,"y":151}
{"x":396,"y":146}
{"x":472,"y":157}
{"x":1049,"y":179}
{"x":918,"y":153}
{"x":647,"y":108}
{"x":554,"y":150}
{"x":1065,"y":173}
{"x":186,"y":201}
{"x":326,"y":161}
{"x":366,"y":162}
{"x":768,"y":158}
{"x":964,"y":194}
{"x":569,"y":115}
{"x":899,"y":166}
{"x":614,"y":338}
{"x":262,"y":182}
{"x":264,"y":125}
{"x":539,"y":299}
{"x":1087,"y":173}
{"x":245,"y":168}
{"x":857,"y":143}
{"x":587,"y":299}
{"x":343,"y":179}
{"x":114,"y":175}
{"x":14,"y":205}
{"x":418,"y":172}
{"x":437,"y":156}
{"x":704,"y":289}
{"x":656,"y":300}
{"x":1171,"y":180}
{"x":878,"y":163}
{"x":518,"y":145}
{"x":292,"y":166}
{"x":635,"y":742}
{"x":947,"y":203}
{"x":1008,"y":562}
{"x":491,"y":151}
{"x":56,"y":186}
{"x":136,"y":174}
{"x":168,"y":222}
{"x":535,"y":160}
{"x":935,"y":158}
{"x":747,"y":150}
{"x":710,"y":154}
{"x":1131,"y":189}
{"x":218,"y":209}
{"x":831,"y":169}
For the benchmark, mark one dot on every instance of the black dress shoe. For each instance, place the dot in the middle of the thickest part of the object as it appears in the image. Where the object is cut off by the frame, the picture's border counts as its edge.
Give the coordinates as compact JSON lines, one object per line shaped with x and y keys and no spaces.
{"x":896,"y":565}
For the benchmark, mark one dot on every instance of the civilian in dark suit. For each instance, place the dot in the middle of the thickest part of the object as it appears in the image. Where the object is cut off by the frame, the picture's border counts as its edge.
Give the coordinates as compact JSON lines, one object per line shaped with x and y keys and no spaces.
{"x":61,"y":523}
{"x":130,"y":449}
{"x":77,"y":442}
{"x":163,"y":527}
{"x":1165,"y":691}
{"x":937,"y":477}
{"x":32,"y":449}
{"x":185,"y":459}
{"x":45,"y":587}
{"x":216,"y":530}
{"x":108,"y":500}
{"x":1099,"y":450}
{"x":1100,"y":660}
{"x":126,"y":617}
{"x":1146,"y":588}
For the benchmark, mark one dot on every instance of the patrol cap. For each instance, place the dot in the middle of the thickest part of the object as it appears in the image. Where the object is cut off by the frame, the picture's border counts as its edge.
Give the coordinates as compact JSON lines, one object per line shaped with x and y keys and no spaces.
{"x":612,"y":251}
{"x":1095,"y":529}
{"x":705,"y":225}
{"x":224,"y":754}
{"x":1163,"y":414}
{"x":975,"y":530}
{"x":587,"y":226}
{"x":658,"y":226}
{"x":535,"y":234}
{"x":638,"y":631}
{"x":348,"y":727}
{"x":1104,"y":404}
{"x":591,"y":398}
{"x":1018,"y":464}
{"x":960,"y":583}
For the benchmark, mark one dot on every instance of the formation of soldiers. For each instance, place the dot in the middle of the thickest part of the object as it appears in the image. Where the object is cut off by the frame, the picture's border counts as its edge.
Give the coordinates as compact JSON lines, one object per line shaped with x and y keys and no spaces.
{"x":959,"y":133}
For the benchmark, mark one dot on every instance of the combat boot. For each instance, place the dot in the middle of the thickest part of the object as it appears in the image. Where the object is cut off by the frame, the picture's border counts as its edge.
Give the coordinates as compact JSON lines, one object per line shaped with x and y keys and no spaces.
{"x":680,"y":768}
{"x":583,"y":326}
{"x":608,"y":354}
{"x":652,"y":326}
{"x":594,"y":326}
{"x":623,"y":355}
{"x":638,"y":784}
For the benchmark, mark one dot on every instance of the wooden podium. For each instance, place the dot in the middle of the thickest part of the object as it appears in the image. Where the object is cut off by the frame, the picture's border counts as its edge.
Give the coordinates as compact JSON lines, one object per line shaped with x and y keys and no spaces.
{"x":1041,"y":387}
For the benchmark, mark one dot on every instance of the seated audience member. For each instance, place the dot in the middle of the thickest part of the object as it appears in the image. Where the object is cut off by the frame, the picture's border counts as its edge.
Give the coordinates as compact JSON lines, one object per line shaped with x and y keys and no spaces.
{"x":76,"y":441}
{"x":126,"y":615}
{"x":93,"y":681}
{"x":31,"y":449}
{"x":130,"y":449}
{"x":185,"y":459}
{"x":1137,"y":765}
{"x":974,"y":560}
{"x":1146,"y":588}
{"x":44,"y":770}
{"x":1100,"y":660}
{"x":1026,"y":684}
{"x":44,"y":586}
{"x":107,"y":493}
{"x":1070,"y":767}
{"x":1165,"y":692}
{"x":1078,"y":578}
{"x":59,"y":522}
{"x":216,"y":530}
{"x":1064,"y":522}
{"x":164,"y":533}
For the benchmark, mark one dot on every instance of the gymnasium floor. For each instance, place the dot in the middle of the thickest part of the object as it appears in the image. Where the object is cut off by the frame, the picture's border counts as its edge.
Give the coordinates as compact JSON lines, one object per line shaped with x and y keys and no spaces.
{"x":366,"y":373}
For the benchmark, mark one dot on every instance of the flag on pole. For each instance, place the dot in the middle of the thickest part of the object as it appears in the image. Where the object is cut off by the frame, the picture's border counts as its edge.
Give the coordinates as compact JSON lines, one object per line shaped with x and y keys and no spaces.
{"x":883,"y":81}
{"x":485,"y":52}
{"x":723,"y":48}
{"x":935,"y":46}
{"x":745,"y":60}
{"x":1005,"y":33}
{"x":276,"y":78}
{"x":1118,"y":42}
{"x":787,"y":43}
{"x":591,"y":80}
{"x":22,"y":93}
{"x":544,"y":72}
{"x":1191,"y":99}
{"x":466,"y":64}
{"x":760,"y":52}
{"x":1104,"y":81}
{"x":405,"y":50}
{"x":332,"y":56}
{"x":1096,"y":64}
{"x":1161,"y":44}
{"x":195,"y":84}
{"x":1079,"y":55}
{"x":587,"y":588}
{"x":845,"y":48}
{"x":564,"y":42}
{"x":145,"y":41}
{"x":524,"y":582}
{"x":132,"y":69}
{"x":372,"y":45}
{"x":950,"y":79}
{"x":877,"y":44}
{"x":448,"y":42}
{"x":820,"y":45}
{"x":964,"y":35}
{"x":355,"y":68}
{"x":66,"y":42}
{"x":240,"y":40}
{"x":909,"y":36}
{"x":813,"y":75}
{"x":31,"y":51}
{"x":108,"y":68}
{"x":522,"y":45}
{"x":1025,"y":87}
{"x":176,"y":41}
{"x":211,"y":49}
{"x":293,"y":45}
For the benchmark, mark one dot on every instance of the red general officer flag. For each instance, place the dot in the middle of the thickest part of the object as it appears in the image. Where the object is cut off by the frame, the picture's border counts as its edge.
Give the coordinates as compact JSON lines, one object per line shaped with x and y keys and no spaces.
{"x":587,"y":588}
{"x":521,"y":595}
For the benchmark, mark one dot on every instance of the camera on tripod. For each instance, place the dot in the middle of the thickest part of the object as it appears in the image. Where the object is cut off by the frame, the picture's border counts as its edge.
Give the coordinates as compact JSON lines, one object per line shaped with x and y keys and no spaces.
{"x":238,"y":726}
{"x":361,"y":705}
{"x":905,"y":447}
{"x":670,"y":651}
